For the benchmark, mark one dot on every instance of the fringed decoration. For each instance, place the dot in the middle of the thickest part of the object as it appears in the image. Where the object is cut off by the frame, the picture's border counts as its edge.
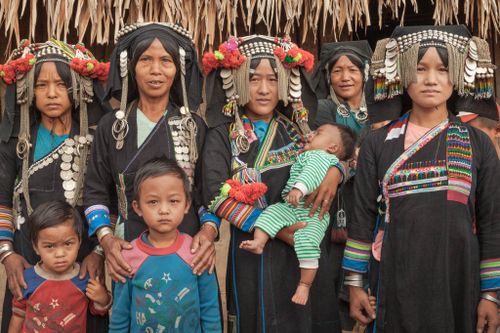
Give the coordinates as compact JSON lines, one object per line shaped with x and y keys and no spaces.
{"x":283,"y":76}
{"x":380,"y":90}
{"x":407,"y":64}
{"x":229,"y":108}
{"x":300,"y":116}
{"x":241,"y":82}
{"x":456,"y":67}
{"x":484,"y":83}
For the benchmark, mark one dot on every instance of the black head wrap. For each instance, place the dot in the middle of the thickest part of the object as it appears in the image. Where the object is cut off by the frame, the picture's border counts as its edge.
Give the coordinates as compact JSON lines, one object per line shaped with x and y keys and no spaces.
{"x":394,"y":64}
{"x":131,"y":36}
{"x":359,"y":52}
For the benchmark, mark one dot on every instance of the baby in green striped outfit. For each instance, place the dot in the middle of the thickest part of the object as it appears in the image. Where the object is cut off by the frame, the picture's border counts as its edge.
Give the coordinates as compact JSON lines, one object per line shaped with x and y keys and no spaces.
{"x":323,"y":149}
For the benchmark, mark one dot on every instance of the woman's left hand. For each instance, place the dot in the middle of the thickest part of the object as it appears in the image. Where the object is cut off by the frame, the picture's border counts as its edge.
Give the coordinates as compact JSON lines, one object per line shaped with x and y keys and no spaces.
{"x":324,"y":194}
{"x":487,"y":317}
{"x":94,"y":265}
{"x":204,"y":248}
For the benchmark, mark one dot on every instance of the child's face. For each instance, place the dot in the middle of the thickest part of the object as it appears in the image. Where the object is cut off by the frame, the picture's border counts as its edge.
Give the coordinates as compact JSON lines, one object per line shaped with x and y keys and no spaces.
{"x":58,"y":247}
{"x":325,"y":138}
{"x":162,"y":204}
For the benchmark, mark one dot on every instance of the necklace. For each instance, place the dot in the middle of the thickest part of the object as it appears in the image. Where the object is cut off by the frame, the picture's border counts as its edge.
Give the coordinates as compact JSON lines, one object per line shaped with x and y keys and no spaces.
{"x":343,"y":109}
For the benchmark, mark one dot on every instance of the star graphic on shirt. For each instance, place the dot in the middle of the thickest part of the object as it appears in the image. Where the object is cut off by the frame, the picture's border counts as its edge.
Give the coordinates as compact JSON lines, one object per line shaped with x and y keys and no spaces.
{"x":166,"y":277}
{"x":54,"y":304}
{"x":36,"y":306}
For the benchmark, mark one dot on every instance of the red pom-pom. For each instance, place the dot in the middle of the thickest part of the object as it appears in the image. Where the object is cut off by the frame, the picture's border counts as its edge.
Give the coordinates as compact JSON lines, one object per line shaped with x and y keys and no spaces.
{"x":209,"y":62}
{"x":246,"y":193}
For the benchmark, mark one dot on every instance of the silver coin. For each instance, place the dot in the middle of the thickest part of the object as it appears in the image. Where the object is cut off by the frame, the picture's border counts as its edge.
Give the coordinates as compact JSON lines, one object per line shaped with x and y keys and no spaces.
{"x":295,"y":94}
{"x":55,"y":156}
{"x":178,"y":150}
{"x":231,"y":91}
{"x":69,"y":185}
{"x":82,"y":140}
{"x":296,"y":72}
{"x":69,"y":195}
{"x":185,"y":150}
{"x":89,"y":137}
{"x":69,"y":142}
{"x":76,"y":159}
{"x":69,"y":150}
{"x":225,"y":73}
{"x":391,"y":44}
{"x":471,"y":64}
{"x":45,"y":162}
{"x":294,"y":79}
{"x":75,"y":167}
{"x":66,"y":158}
{"x":469,"y":78}
{"x":65,"y":166}
{"x":228,"y":85}
{"x":66,"y":175}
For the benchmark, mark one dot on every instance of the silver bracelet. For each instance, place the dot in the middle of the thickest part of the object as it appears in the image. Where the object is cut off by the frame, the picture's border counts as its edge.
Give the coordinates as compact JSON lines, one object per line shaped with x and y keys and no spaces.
{"x":357,"y":277}
{"x":490,"y":298}
{"x":354,"y":283}
{"x":5,"y":255}
{"x":99,"y":250}
{"x":6,"y":247}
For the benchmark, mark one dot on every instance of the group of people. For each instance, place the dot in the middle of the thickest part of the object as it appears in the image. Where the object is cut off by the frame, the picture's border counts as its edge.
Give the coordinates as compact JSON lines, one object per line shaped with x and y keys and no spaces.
{"x":360,"y":191}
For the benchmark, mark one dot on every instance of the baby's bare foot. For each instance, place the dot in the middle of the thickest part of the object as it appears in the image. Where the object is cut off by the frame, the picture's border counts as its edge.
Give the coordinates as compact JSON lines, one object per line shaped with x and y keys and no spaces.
{"x":252,"y":246}
{"x":301,"y":294}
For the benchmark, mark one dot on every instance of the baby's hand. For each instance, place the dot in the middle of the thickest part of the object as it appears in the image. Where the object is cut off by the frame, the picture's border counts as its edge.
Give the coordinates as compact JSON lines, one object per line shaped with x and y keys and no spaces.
{"x":294,"y":197}
{"x":97,"y":293}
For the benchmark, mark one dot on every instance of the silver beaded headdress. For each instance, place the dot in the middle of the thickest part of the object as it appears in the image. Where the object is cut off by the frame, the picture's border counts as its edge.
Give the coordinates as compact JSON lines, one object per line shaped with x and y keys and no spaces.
{"x":394,"y":61}
{"x":19,"y":71}
{"x":233,"y":59}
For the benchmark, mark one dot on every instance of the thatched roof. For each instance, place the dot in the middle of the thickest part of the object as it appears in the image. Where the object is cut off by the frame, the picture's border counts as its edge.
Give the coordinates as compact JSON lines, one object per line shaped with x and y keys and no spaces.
{"x":99,"y":20}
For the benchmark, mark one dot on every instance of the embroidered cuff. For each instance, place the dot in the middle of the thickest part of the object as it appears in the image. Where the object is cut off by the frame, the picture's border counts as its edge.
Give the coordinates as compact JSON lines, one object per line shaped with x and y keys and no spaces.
{"x":342,"y":170}
{"x":205,"y":216}
{"x":6,"y":223}
{"x":490,"y":274}
{"x":241,"y":215}
{"x":97,"y":216}
{"x":356,"y":256}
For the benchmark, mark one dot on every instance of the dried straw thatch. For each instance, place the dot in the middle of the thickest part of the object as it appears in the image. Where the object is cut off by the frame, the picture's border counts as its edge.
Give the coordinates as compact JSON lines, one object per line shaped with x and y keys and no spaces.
{"x":99,"y":20}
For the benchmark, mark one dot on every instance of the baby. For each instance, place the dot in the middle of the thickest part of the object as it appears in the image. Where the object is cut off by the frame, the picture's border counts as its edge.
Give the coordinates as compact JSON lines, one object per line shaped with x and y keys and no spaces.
{"x":324,"y":148}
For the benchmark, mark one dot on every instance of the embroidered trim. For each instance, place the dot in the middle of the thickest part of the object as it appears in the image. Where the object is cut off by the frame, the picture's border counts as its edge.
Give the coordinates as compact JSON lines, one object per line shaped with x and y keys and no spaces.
{"x":459,"y":156}
{"x":356,"y":256}
{"x":490,"y":274}
{"x":397,"y":128}
{"x":205,"y":216}
{"x":241,"y":215}
{"x":97,"y":216}
{"x":122,"y":196}
{"x":425,"y":177}
{"x":405,"y":156}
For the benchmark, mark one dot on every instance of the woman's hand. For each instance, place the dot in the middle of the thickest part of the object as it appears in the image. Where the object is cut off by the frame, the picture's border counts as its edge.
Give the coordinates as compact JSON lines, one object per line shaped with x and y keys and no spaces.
{"x":286,"y":234}
{"x":360,"y":307}
{"x":487,"y":316}
{"x":204,"y":249}
{"x":94,"y":265}
{"x":118,"y":268}
{"x":324,"y":194}
{"x":15,"y":266}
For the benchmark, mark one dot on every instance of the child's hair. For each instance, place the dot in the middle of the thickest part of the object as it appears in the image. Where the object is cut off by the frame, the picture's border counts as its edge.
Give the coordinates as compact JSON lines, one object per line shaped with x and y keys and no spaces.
{"x":158,"y":167}
{"x":53,"y":213}
{"x":348,"y":138}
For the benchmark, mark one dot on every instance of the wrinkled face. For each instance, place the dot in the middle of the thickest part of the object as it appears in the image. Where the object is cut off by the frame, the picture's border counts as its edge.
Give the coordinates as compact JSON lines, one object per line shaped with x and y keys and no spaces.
{"x":432,"y":87}
{"x":162,"y":204}
{"x":346,"y":79}
{"x":326,"y":138}
{"x":51,"y":93}
{"x":263,"y":92}
{"x":58,"y":248}
{"x":155,"y":72}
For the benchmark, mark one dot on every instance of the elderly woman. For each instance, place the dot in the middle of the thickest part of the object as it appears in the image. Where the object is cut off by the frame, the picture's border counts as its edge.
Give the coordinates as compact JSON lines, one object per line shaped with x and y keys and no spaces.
{"x":427,"y":185}
{"x":51,"y":101}
{"x":258,"y":84}
{"x":155,"y":75}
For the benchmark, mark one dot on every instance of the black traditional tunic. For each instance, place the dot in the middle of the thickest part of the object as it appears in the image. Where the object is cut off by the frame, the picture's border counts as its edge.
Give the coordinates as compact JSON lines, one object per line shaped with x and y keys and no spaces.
{"x":113,"y":171}
{"x":438,"y":241}
{"x":260,"y":288}
{"x":45,"y":184}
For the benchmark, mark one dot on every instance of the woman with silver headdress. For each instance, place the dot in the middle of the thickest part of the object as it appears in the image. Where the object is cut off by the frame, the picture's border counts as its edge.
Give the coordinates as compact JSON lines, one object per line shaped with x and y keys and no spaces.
{"x":52,"y":103}
{"x":155,"y":75}
{"x":426,"y":222}
{"x":259,"y":85}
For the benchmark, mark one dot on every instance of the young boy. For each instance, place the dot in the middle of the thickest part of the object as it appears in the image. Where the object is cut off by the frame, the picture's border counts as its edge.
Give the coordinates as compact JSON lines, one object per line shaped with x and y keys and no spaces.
{"x":324,"y":148}
{"x":163,"y":294}
{"x":56,"y":299}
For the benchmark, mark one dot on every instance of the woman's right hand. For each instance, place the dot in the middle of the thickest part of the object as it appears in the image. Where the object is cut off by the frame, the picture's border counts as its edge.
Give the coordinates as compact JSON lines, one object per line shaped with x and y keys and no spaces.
{"x":118,"y":268}
{"x":286,"y":234}
{"x":360,"y":307}
{"x":15,"y":266}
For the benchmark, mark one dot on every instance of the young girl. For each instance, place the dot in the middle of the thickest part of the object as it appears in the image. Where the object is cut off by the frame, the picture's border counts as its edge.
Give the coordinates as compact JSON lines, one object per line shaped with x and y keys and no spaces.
{"x":163,"y":294}
{"x":56,"y":299}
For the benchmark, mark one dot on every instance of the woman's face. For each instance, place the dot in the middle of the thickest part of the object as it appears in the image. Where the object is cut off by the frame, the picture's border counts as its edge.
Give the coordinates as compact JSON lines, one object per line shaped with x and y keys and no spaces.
{"x":432,"y":87}
{"x":155,"y":72}
{"x":346,"y":79}
{"x":51,"y":93}
{"x":263,"y":91}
